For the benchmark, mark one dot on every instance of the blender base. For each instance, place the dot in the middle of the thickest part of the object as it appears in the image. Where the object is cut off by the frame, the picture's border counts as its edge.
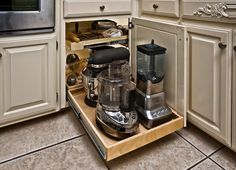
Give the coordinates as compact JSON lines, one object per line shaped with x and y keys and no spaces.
{"x":152,"y":118}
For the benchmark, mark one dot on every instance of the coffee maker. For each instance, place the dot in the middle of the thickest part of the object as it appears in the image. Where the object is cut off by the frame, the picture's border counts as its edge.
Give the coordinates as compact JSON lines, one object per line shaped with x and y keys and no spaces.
{"x":115,"y":112}
{"x":150,"y":95}
{"x":89,"y":75}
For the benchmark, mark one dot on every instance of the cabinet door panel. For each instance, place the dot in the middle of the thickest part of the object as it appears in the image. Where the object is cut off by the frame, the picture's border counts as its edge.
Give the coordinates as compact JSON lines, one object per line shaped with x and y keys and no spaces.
{"x":234,"y":96}
{"x":172,"y":37}
{"x":25,"y":73}
{"x":28,"y":74}
{"x":209,"y":81}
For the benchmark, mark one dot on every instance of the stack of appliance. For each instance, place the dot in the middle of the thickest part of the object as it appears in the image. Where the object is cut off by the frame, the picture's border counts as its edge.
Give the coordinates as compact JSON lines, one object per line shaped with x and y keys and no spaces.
{"x":119,"y":102}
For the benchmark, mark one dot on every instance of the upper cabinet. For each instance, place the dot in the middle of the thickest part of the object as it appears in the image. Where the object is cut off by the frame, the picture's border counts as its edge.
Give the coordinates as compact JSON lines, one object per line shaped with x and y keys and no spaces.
{"x":215,"y":10}
{"x":27,"y":77}
{"x":160,"y":7}
{"x":81,"y":8}
{"x":209,"y":80}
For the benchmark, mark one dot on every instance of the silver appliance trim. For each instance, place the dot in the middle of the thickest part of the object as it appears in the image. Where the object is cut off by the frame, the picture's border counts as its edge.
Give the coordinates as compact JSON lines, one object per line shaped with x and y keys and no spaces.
{"x":21,"y":22}
{"x":26,"y":32}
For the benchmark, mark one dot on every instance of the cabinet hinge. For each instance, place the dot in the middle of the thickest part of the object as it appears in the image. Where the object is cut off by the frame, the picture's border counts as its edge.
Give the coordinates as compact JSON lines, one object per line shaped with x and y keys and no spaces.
{"x":56,"y":45}
{"x":57,"y":97}
{"x":130,"y":24}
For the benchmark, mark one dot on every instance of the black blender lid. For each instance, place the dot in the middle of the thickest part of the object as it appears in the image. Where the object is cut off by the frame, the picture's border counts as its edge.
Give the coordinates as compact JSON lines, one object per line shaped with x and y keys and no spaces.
{"x":151,"y":49}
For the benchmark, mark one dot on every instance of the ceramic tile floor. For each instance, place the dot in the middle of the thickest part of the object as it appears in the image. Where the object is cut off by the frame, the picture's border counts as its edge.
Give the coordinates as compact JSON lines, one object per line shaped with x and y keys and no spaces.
{"x":58,"y":142}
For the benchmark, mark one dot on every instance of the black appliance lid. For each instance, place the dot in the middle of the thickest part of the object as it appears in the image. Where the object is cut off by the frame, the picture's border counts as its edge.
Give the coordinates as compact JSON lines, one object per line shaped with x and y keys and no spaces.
{"x":107,"y":56}
{"x":151,"y":49}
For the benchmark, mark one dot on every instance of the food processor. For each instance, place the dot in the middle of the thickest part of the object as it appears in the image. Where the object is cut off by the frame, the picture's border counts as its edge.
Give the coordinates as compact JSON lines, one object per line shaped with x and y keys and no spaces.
{"x":150,"y":95}
{"x":115,"y":112}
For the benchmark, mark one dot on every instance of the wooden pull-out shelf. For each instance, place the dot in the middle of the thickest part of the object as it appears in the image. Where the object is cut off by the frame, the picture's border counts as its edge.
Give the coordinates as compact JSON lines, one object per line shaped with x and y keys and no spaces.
{"x":111,"y":148}
{"x":73,"y":46}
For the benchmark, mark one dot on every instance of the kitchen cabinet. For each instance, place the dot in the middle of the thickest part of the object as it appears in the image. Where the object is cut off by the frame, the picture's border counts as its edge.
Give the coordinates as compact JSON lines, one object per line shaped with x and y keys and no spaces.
{"x":209,"y":78}
{"x":27,"y":77}
{"x":170,"y":36}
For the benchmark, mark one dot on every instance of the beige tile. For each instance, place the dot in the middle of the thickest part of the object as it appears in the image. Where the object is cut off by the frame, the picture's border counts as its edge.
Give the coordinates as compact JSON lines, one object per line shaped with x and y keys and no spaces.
{"x":72,"y":155}
{"x":170,"y":152}
{"x":200,"y":139}
{"x":226,"y":158}
{"x":34,"y":134}
{"x":207,"y":164}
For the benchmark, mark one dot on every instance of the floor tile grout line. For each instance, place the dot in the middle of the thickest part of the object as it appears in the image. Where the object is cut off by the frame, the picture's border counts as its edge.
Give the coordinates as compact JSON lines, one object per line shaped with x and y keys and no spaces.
{"x":191,"y":143}
{"x":198,"y":148}
{"x":216,"y":151}
{"x":192,"y":166}
{"x":213,"y":159}
{"x":43,"y":148}
{"x":216,"y":163}
{"x":207,"y":156}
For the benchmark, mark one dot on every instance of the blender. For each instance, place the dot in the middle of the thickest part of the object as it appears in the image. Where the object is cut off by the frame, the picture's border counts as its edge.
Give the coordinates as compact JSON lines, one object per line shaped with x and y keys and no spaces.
{"x":150,"y":95}
{"x":115,"y":112}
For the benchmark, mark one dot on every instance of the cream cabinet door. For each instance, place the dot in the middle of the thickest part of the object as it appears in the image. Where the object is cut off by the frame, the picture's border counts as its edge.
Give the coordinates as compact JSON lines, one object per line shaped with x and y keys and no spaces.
{"x":209,"y":81}
{"x":27,"y":76}
{"x":234,"y":96}
{"x":172,"y":37}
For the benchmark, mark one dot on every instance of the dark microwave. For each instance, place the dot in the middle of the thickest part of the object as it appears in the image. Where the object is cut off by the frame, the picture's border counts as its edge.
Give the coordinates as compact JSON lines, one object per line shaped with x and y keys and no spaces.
{"x":27,"y":16}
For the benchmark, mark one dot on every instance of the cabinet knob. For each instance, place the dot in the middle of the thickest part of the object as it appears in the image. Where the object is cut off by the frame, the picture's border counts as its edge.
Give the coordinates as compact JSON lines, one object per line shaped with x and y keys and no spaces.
{"x":102,"y":8}
{"x":234,"y":47}
{"x":222,"y":46}
{"x":155,"y":6}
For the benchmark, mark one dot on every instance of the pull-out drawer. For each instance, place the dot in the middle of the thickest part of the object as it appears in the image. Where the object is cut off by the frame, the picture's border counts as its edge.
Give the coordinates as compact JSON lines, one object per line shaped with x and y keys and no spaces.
{"x":80,"y":8}
{"x":110,"y":148}
{"x":216,"y":10}
{"x":160,"y":7}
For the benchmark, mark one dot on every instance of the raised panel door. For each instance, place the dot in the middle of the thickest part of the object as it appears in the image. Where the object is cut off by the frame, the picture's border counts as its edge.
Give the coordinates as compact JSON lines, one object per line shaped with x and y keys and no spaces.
{"x":28,"y":77}
{"x":209,"y":71}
